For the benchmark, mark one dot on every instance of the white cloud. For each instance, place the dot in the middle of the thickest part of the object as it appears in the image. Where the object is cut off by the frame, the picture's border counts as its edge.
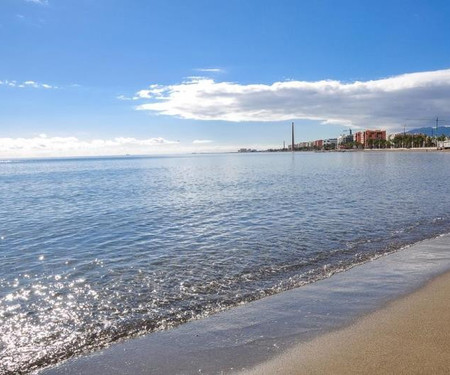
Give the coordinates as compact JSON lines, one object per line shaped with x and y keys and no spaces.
{"x":8,"y":83}
{"x":209,"y":70}
{"x":123,"y":97}
{"x":201,"y":141}
{"x":381,"y":103}
{"x":43,"y":145}
{"x":39,"y":2}
{"x":30,"y":83}
{"x":27,"y":84}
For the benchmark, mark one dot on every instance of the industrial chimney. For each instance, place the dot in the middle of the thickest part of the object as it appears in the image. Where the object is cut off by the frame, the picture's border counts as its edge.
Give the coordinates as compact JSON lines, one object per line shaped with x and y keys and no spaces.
{"x":293,"y":137}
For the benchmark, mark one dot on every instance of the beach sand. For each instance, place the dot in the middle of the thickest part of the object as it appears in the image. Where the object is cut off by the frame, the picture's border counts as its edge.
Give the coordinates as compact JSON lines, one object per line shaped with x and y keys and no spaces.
{"x":408,"y":336}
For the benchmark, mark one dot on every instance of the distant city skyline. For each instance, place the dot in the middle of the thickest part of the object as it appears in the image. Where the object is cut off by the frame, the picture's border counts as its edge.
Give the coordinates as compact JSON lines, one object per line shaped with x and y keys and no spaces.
{"x":147,"y":77}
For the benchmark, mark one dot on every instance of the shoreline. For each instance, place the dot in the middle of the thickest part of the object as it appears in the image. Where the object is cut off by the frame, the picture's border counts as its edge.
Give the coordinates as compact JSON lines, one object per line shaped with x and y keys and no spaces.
{"x":408,"y":150}
{"x":249,"y":335}
{"x":411,"y":335}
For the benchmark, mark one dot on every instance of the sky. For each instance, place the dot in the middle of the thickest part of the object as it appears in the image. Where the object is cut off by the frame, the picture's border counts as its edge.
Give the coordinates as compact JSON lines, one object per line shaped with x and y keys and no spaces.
{"x":112,"y":77}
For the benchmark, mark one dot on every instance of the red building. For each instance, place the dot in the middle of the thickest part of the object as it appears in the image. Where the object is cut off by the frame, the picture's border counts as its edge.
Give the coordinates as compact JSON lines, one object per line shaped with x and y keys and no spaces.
{"x":359,"y":137}
{"x":367,"y":136}
{"x":318,"y":143}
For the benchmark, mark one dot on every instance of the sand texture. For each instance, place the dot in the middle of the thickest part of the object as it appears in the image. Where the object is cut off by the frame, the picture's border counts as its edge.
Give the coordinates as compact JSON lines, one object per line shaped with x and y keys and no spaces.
{"x":409,"y":336}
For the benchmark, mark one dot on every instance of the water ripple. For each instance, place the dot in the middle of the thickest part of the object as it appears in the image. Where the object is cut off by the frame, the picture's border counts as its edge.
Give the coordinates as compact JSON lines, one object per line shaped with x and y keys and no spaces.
{"x":95,"y":251}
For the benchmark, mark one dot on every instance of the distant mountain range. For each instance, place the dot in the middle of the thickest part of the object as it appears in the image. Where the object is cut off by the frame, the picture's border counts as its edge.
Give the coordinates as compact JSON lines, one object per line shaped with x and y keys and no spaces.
{"x":442,"y":130}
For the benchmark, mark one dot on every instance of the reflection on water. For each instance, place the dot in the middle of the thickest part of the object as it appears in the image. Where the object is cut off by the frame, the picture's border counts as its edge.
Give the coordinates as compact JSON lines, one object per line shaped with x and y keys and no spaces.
{"x":95,"y":250}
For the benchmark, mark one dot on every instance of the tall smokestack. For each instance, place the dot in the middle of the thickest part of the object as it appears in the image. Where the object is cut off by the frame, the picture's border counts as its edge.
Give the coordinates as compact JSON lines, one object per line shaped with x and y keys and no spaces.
{"x":293,"y":137}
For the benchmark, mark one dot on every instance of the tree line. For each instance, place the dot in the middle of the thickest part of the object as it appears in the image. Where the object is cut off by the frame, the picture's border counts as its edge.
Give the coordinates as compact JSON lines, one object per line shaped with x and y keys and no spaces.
{"x":399,"y":141}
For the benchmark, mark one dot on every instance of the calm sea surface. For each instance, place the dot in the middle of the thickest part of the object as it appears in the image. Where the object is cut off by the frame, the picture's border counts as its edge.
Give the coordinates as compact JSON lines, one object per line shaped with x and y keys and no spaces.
{"x":95,"y":250}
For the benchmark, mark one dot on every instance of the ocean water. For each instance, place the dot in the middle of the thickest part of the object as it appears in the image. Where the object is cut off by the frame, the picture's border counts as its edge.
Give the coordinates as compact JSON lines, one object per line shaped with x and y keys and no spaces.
{"x":93,"y":251}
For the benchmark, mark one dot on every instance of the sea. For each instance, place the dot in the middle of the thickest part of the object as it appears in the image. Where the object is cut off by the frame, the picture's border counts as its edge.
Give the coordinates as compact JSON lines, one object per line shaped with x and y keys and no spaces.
{"x":98,"y":250}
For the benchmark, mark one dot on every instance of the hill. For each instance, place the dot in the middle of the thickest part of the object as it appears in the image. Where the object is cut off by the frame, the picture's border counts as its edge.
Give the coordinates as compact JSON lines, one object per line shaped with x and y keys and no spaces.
{"x":443,"y":130}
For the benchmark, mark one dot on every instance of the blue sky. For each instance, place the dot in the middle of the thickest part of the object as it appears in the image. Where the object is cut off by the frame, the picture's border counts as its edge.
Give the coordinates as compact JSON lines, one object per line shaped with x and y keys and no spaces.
{"x":114,"y":76}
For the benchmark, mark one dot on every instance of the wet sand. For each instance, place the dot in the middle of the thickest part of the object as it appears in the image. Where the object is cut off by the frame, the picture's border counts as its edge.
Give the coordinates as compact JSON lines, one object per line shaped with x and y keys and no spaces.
{"x":410,"y":335}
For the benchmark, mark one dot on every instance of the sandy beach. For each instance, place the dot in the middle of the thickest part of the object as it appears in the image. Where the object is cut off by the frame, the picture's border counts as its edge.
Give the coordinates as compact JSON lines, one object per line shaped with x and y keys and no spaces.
{"x":408,"y":336}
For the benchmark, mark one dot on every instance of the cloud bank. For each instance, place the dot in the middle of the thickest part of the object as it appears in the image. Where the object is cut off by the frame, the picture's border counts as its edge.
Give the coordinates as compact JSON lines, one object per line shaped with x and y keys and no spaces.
{"x":43,"y":145}
{"x":376,"y":103}
{"x":47,"y":146}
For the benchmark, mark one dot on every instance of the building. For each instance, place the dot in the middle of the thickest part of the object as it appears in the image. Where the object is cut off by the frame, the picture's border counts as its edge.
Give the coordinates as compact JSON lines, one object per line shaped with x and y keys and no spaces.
{"x":305,"y":145}
{"x":345,"y":139}
{"x":318,"y":143}
{"x":442,"y":145}
{"x":368,"y":137}
{"x":359,"y":137}
{"x":330,"y":143}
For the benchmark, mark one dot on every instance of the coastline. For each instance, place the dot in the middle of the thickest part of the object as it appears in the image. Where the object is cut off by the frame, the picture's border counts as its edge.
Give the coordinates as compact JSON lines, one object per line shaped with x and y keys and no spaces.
{"x":413,"y":149}
{"x":250,"y":335}
{"x":395,"y":150}
{"x":409,"y":336}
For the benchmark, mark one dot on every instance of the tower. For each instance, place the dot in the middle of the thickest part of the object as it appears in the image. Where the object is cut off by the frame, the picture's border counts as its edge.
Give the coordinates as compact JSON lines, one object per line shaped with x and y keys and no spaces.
{"x":293,"y":137}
